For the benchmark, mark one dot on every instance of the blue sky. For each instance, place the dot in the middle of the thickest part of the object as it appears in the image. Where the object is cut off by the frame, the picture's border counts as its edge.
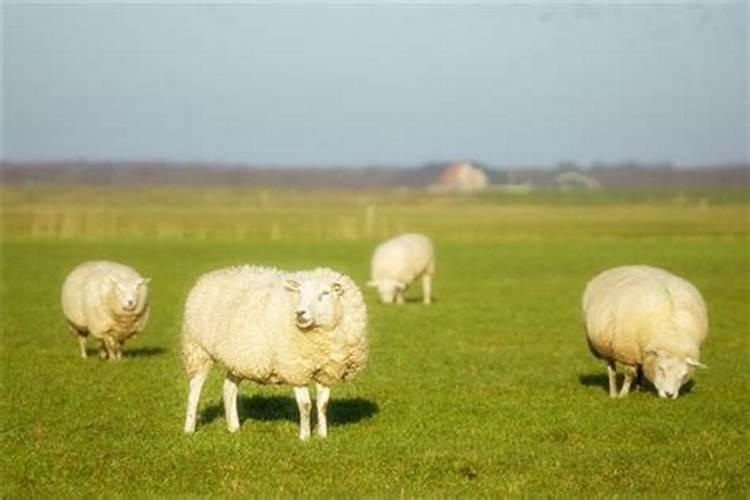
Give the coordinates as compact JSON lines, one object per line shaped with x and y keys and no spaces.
{"x":360,"y":84}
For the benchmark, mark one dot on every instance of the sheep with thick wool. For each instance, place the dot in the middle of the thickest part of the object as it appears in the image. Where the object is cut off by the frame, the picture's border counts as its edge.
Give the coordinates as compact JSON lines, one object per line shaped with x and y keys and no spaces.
{"x":398,"y":262}
{"x":274,"y":327}
{"x":645,"y":318}
{"x":108,"y":301}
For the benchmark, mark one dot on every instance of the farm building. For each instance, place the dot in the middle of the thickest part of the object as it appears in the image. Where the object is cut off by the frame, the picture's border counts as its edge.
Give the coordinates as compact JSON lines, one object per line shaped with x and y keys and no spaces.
{"x":461,"y":177}
{"x":576,"y":180}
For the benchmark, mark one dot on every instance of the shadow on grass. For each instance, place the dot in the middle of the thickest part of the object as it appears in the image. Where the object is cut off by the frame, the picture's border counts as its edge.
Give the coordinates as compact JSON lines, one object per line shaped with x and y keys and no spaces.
{"x":594,"y":379}
{"x":139,"y":352}
{"x":143,"y":352}
{"x":418,"y":300}
{"x":640,"y":384}
{"x":265,"y":408}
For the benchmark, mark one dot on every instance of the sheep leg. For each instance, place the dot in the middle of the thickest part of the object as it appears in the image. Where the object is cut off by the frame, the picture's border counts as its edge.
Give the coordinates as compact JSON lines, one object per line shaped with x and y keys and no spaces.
{"x":118,"y":349}
{"x":194,"y":394}
{"x":231,"y":385}
{"x":82,"y":345}
{"x":81,"y":334}
{"x":399,"y":296}
{"x":612,"y":374}
{"x":302,"y":395}
{"x":427,"y":288}
{"x":322,"y":395}
{"x":110,"y":345}
{"x":102,"y":349}
{"x":630,"y":373}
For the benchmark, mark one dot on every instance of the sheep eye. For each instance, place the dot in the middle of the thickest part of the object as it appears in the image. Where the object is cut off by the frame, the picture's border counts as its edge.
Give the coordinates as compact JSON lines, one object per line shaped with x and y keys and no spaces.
{"x":324,"y":293}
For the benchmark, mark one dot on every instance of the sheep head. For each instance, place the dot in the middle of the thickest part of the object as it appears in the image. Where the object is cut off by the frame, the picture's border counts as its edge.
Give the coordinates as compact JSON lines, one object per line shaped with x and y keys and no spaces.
{"x":127,"y":294}
{"x":668,"y":372}
{"x":317,"y":302}
{"x":387,"y":289}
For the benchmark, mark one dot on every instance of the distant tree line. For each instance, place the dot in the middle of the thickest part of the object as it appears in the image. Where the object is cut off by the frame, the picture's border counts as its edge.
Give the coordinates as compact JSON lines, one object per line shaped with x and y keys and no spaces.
{"x":623,"y":175}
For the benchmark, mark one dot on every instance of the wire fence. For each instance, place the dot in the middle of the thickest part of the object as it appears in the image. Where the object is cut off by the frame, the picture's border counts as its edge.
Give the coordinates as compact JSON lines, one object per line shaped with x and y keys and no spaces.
{"x":96,"y":214}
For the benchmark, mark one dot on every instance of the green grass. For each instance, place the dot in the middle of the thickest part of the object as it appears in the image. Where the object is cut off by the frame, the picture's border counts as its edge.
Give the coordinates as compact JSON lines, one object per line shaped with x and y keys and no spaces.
{"x":491,"y":391}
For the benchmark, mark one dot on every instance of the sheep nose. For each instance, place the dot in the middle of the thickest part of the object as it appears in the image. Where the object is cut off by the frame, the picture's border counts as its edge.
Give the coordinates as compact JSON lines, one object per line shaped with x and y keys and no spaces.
{"x":301,"y":313}
{"x":670,"y":394}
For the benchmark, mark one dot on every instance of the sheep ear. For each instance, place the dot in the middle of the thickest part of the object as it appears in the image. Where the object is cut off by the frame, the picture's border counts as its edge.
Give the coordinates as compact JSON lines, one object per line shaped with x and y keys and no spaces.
{"x":337,"y":289}
{"x":144,"y":281}
{"x":292,"y":285}
{"x":694,"y":363}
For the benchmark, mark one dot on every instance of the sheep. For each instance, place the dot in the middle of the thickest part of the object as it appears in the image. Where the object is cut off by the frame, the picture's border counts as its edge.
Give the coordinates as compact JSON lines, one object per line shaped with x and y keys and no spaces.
{"x":108,"y":301}
{"x":274,"y":327}
{"x":398,"y":262}
{"x":646,"y":319}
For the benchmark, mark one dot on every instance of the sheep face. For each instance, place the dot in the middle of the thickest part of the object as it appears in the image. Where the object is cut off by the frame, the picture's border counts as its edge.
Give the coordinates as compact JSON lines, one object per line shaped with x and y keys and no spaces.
{"x":127,"y":294}
{"x":317,"y":303}
{"x":668,"y":373}
{"x":387,"y":289}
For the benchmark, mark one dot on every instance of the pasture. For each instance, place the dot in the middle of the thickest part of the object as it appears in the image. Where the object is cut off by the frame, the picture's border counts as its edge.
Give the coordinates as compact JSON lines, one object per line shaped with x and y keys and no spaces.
{"x":490,"y":391}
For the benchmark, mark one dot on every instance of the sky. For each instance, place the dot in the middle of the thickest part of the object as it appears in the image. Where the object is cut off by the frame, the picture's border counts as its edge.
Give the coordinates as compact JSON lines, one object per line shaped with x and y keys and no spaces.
{"x":338,"y":84}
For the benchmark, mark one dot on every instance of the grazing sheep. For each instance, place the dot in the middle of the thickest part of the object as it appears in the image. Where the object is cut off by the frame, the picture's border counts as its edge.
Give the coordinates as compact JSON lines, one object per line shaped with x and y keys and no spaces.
{"x":108,"y":301}
{"x":645,"y":317}
{"x":399,"y":261}
{"x":274,"y":327}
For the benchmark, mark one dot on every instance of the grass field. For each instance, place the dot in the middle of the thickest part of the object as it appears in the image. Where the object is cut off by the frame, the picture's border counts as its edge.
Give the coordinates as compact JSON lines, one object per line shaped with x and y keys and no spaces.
{"x":491,"y":391}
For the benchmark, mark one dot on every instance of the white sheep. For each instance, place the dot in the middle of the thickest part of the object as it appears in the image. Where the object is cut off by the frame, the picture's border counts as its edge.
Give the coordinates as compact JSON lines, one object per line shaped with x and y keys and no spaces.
{"x":108,"y":301}
{"x":645,"y":317}
{"x":398,"y":262}
{"x":274,"y":327}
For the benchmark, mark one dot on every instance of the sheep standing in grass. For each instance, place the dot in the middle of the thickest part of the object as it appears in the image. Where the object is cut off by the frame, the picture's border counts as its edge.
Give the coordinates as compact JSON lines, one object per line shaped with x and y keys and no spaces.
{"x":644,"y":317}
{"x":108,"y":301}
{"x":274,"y":327}
{"x":398,"y":262}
